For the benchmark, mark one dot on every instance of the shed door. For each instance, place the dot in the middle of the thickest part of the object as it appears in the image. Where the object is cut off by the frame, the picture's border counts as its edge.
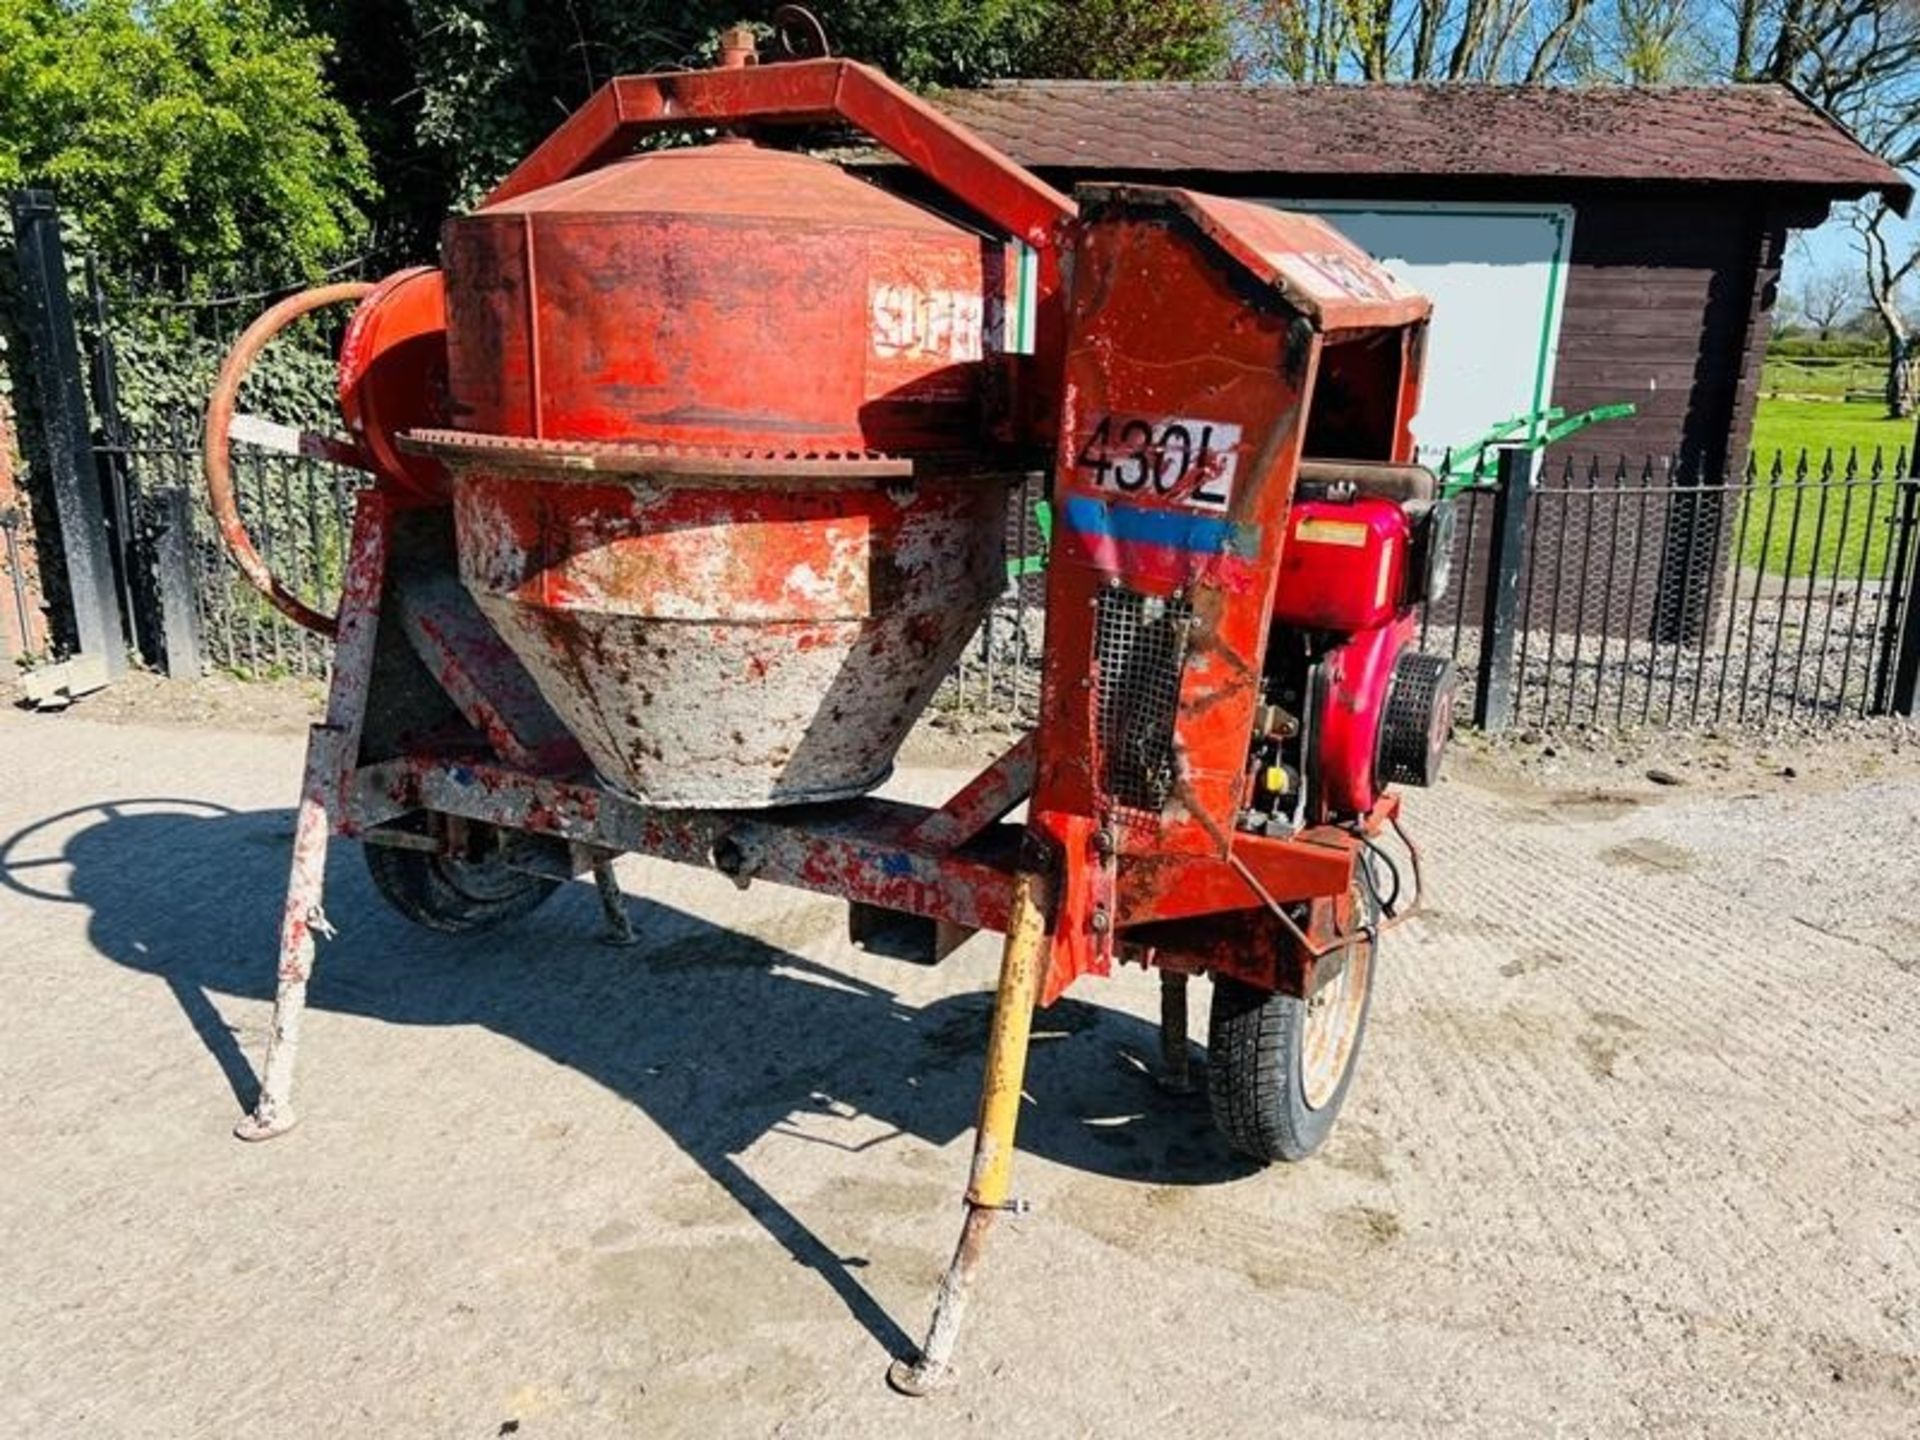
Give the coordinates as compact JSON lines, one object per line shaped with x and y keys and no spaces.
{"x":1497,"y":277}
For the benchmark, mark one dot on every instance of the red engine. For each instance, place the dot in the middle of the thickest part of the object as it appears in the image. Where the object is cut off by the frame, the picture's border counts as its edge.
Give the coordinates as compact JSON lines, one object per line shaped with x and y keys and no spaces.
{"x":1355,"y":706}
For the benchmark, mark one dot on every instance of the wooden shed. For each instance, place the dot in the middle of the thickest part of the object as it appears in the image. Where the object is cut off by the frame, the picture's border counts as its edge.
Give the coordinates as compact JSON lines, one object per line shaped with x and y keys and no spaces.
{"x":1677,"y":203}
{"x":1584,"y":247}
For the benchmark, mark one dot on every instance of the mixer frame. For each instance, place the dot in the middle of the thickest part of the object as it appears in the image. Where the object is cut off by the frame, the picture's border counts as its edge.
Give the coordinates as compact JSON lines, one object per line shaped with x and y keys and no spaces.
{"x":484,"y":762}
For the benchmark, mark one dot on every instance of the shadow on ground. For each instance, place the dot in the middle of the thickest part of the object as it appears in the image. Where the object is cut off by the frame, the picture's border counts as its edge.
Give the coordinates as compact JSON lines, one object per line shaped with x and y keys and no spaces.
{"x":719,"y":1036}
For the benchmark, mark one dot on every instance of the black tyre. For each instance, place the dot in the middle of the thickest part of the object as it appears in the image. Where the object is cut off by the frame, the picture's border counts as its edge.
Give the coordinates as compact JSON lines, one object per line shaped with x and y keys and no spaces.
{"x":455,"y":897}
{"x":1278,"y":1068}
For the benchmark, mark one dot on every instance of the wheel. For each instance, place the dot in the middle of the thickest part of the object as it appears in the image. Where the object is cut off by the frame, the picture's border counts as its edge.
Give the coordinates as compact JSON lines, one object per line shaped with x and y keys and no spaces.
{"x":1278,"y":1067}
{"x":455,"y":897}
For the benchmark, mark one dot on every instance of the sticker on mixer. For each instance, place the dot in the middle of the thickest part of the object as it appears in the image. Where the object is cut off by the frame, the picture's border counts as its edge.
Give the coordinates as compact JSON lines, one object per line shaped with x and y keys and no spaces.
{"x":914,"y":324}
{"x":1185,"y":460}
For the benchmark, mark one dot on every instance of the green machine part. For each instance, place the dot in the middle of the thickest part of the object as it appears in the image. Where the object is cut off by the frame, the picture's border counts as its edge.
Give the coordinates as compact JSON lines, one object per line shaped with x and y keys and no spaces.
{"x":1475,"y":463}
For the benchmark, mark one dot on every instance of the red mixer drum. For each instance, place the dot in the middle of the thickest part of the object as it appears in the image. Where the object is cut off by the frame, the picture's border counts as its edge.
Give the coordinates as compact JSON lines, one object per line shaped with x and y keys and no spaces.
{"x":719,"y":639}
{"x":723,"y":295}
{"x":717,"y":463}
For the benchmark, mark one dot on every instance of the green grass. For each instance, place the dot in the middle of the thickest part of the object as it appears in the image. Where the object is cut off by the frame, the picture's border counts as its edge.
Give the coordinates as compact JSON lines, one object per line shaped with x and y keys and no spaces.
{"x":1855,"y":527}
{"x":1820,"y":425}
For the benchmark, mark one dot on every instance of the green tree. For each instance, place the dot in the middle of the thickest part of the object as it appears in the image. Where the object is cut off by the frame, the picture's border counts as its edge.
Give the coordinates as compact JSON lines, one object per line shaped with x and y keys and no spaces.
{"x":452,"y":92}
{"x":1126,"y":40}
{"x":182,"y":132}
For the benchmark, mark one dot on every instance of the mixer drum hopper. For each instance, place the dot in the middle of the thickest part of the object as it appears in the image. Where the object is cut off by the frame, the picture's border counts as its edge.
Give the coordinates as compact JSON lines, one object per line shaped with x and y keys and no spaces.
{"x":717,"y":477}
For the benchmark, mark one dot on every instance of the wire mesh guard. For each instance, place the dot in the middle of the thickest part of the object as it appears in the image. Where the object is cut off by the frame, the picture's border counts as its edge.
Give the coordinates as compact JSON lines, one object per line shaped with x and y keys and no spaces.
{"x":1417,"y":719}
{"x":1140,"y":648}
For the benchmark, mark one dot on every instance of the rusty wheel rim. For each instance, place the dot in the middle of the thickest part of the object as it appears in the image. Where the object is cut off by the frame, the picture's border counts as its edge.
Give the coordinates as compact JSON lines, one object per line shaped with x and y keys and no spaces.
{"x":1332,"y":1027}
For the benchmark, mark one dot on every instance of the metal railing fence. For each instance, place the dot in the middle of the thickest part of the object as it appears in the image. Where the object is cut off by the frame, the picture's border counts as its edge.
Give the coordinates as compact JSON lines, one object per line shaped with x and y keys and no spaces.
{"x":1649,"y":598}
{"x":1645,"y":598}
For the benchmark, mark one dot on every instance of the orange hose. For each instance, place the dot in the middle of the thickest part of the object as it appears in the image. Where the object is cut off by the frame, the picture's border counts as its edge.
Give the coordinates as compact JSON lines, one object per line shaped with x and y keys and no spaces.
{"x":219,"y":467}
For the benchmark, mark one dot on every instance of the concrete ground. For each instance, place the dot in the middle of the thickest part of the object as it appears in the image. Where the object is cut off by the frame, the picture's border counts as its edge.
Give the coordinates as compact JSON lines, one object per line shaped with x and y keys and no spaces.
{"x":1635,"y":1149}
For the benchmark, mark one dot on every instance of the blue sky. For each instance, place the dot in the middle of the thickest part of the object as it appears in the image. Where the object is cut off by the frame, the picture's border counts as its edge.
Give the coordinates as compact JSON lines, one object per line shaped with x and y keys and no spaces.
{"x":1835,"y":243}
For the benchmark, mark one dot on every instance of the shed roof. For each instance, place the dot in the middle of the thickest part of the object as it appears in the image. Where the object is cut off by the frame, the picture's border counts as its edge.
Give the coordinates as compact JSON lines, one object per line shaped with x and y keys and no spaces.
{"x":1764,"y":135}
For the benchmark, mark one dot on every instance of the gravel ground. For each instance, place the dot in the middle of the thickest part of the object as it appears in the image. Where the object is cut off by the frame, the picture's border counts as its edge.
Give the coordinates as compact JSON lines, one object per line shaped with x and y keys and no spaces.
{"x":1634,"y":1150}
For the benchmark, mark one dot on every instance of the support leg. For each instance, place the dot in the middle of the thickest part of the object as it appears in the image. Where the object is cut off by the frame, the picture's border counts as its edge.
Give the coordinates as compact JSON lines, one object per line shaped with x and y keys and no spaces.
{"x":1007,"y":1042}
{"x":613,"y":905}
{"x":1176,"y":1068}
{"x":273,"y":1112}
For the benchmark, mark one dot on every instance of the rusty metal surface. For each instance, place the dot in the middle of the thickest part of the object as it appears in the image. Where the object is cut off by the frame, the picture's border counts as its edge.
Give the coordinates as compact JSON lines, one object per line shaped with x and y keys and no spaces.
{"x":726,"y":646}
{"x":861,"y":851}
{"x":561,"y":460}
{"x":932,"y":1368}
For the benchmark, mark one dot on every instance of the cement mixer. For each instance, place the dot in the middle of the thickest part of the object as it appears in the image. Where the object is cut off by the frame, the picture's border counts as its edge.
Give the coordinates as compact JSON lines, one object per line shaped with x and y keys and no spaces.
{"x":690,"y":474}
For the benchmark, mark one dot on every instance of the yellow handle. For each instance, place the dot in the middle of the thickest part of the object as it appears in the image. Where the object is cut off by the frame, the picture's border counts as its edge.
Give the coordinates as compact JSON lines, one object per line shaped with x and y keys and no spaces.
{"x":1020,"y":968}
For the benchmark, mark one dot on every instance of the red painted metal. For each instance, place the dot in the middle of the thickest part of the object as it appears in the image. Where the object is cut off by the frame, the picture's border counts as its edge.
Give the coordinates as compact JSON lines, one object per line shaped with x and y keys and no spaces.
{"x":1344,"y":566}
{"x":666,"y":298}
{"x":635,"y":459}
{"x":647,"y":317}
{"x":1354,"y":693}
{"x":812,"y":92}
{"x":217,"y":445}
{"x":985,"y":800}
{"x":1197,"y":331}
{"x":392,"y":378}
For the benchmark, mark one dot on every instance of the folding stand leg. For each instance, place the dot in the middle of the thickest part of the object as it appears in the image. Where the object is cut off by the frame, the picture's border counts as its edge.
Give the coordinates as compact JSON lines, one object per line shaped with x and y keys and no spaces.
{"x":1176,"y":1066}
{"x":273,"y":1113}
{"x":617,"y":925}
{"x":1007,"y":1042}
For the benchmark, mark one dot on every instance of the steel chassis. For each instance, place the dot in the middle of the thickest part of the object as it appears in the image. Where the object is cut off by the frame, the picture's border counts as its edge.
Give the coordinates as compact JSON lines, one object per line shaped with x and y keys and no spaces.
{"x":508,"y":765}
{"x":875,"y":853}
{"x":428,"y":712}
